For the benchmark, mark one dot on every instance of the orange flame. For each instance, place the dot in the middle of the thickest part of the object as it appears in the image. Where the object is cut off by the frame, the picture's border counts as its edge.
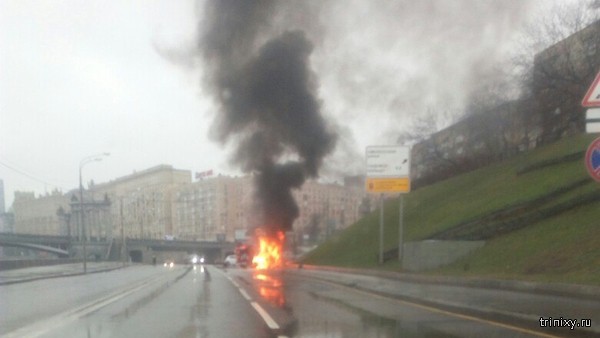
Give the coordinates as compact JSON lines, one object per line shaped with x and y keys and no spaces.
{"x":269,"y":254}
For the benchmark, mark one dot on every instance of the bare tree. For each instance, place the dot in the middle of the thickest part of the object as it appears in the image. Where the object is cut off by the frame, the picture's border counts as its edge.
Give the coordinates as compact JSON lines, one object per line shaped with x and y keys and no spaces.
{"x":561,"y":21}
{"x":427,"y":124}
{"x":511,"y":107}
{"x":495,"y":86}
{"x":432,"y":146}
{"x":557,"y":60}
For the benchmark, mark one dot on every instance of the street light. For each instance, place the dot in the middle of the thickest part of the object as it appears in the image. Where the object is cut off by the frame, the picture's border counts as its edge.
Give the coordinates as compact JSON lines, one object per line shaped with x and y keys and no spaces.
{"x":84,"y":161}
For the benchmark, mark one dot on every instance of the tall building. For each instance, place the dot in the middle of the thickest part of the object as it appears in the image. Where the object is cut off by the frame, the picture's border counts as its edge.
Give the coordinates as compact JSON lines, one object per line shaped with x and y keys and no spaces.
{"x":2,"y":206}
{"x":163,"y":202}
{"x":146,"y":199}
{"x":213,"y":208}
{"x":6,"y":219}
{"x":97,"y":218}
{"x":221,"y":207}
{"x":327,"y":207}
{"x":7,"y":222}
{"x":38,"y":215}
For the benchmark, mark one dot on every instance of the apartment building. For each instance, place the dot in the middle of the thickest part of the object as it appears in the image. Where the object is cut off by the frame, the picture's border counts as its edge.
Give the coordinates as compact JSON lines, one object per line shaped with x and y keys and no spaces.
{"x":216,"y":208}
{"x":2,"y":206}
{"x":163,"y":202}
{"x":143,"y":201}
{"x":213,"y":208}
{"x":326,"y":208}
{"x":38,"y":215}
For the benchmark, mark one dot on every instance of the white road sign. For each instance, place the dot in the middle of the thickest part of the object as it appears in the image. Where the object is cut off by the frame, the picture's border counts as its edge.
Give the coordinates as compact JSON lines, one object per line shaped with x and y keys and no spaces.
{"x":592,"y":119}
{"x":388,"y":161}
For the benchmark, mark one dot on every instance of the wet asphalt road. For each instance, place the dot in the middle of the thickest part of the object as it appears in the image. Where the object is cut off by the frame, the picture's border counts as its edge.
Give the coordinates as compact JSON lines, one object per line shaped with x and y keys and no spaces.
{"x":147,"y":301}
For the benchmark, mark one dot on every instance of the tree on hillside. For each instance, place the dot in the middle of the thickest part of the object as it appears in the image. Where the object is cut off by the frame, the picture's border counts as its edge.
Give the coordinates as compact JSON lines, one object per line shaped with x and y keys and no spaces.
{"x":494,"y":87}
{"x":518,"y":104}
{"x":550,"y":72}
{"x":426,"y":124}
{"x":563,"y":20}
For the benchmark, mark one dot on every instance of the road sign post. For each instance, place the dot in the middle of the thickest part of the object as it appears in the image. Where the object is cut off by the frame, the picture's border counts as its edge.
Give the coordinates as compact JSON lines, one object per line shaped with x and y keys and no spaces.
{"x":381,"y":228}
{"x":388,"y":171}
{"x":401,"y":230}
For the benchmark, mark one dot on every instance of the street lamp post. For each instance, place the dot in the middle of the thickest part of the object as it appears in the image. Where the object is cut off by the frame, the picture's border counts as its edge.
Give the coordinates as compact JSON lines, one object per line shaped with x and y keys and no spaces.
{"x":84,"y":161}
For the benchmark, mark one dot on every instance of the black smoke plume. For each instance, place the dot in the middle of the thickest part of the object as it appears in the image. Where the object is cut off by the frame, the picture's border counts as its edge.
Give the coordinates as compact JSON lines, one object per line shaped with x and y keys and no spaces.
{"x":267,"y":104}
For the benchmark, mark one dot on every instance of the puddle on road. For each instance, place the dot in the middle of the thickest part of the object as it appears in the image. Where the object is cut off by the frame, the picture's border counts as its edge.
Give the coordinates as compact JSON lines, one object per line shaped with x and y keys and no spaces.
{"x":200,"y":312}
{"x":140,"y":303}
{"x":367,"y":325}
{"x":325,"y":316}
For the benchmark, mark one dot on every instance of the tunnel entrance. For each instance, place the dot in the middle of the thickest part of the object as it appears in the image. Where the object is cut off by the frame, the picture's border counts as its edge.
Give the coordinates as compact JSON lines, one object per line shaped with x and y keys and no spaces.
{"x":136,"y":256}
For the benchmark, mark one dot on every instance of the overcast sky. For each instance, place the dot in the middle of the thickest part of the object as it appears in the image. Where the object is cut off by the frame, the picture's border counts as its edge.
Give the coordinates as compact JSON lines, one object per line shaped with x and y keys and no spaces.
{"x":84,"y":77}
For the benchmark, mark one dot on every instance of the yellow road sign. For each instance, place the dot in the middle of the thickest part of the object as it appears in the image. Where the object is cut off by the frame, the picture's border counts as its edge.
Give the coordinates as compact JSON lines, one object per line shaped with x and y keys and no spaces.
{"x":388,"y":184}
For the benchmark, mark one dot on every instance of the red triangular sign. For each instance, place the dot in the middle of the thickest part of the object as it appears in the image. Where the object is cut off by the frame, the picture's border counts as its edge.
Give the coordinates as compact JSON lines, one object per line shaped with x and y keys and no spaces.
{"x":592,"y":97}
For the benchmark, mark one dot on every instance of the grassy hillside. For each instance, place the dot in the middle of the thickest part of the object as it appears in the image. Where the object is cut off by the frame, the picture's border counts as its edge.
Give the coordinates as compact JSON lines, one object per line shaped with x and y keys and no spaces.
{"x":538,"y":212}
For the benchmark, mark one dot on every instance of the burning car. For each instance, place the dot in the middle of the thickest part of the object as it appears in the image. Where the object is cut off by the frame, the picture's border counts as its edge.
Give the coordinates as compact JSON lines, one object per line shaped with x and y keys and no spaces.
{"x":270,"y":250}
{"x":263,"y":251}
{"x":243,"y":254}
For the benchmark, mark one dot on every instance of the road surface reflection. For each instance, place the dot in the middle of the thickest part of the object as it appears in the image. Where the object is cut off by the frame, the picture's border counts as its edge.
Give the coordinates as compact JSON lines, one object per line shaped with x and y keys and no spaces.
{"x":270,"y":287}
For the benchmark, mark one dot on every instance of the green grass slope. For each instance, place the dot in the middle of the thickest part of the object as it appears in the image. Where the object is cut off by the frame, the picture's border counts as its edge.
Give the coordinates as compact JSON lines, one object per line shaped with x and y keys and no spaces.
{"x":561,"y":246}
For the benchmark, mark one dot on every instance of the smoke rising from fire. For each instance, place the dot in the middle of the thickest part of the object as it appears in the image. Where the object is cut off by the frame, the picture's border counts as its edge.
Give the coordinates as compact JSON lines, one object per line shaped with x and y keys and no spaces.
{"x":267,"y":102}
{"x":381,"y":64}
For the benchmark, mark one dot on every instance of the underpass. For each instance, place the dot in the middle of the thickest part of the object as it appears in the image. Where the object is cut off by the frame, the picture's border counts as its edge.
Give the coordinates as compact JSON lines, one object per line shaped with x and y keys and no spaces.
{"x":117,"y":249}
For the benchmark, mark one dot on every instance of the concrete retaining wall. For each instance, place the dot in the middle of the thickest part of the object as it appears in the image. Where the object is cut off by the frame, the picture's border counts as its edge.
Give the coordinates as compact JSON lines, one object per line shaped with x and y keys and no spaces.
{"x":27,"y":263}
{"x":431,"y":254}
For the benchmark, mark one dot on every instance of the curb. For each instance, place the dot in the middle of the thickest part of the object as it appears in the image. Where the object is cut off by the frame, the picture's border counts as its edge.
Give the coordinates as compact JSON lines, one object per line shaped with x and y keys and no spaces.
{"x":586,"y":292}
{"x":57,"y":276}
{"x":524,"y":320}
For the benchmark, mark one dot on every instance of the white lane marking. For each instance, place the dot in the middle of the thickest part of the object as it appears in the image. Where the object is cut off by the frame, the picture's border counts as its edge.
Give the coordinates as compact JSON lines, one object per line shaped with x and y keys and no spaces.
{"x":271,"y":323}
{"x":265,"y":316}
{"x":233,"y":282}
{"x":243,"y":292}
{"x":42,"y":327}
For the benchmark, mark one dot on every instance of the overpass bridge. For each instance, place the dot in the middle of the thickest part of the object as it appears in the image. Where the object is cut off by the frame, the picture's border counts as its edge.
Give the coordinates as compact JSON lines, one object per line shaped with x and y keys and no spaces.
{"x":137,"y":250}
{"x":58,"y":245}
{"x":143,"y":250}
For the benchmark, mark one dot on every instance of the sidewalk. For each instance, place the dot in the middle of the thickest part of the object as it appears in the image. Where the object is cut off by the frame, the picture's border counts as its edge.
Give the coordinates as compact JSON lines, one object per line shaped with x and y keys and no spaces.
{"x":512,"y":301}
{"x":54,"y":271}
